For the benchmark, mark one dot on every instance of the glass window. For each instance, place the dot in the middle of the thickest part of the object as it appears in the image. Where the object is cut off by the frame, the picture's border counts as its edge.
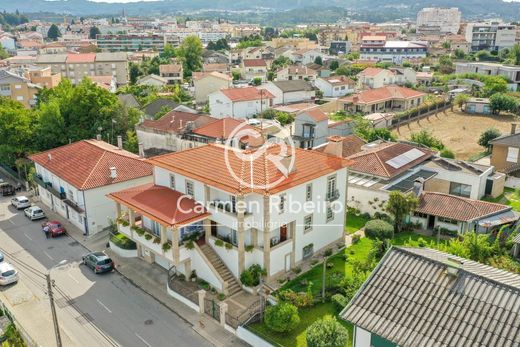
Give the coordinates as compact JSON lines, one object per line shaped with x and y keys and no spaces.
{"x":281,"y":205}
{"x":189,"y":188}
{"x":460,"y":189}
{"x":307,"y":223}
{"x":330,"y":214}
{"x":331,"y":186}
{"x":512,"y":155}
{"x":308,"y":192}
{"x":172,"y":181}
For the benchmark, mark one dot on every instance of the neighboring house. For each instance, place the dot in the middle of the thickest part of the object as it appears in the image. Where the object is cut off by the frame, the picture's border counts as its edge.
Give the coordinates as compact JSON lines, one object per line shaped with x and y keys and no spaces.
{"x":254,"y":68}
{"x":206,"y":83}
{"x":218,"y":208}
{"x":287,"y":92}
{"x":432,"y":298}
{"x":335,"y":86}
{"x":404,"y":75}
{"x":342,"y":146}
{"x":296,"y":72}
{"x":165,"y":135}
{"x":18,"y":88}
{"x":107,"y":82}
{"x":239,"y":102}
{"x":222,"y":130}
{"x":152,"y":80}
{"x":159,"y":105}
{"x":373,"y":77}
{"x":377,"y":48}
{"x":424,"y":78}
{"x":321,"y":70}
{"x":73,"y":180}
{"x":173,"y":73}
{"x":310,"y":128}
{"x":511,"y":72}
{"x":7,"y":41}
{"x":222,"y":68}
{"x":385,"y":99}
{"x":478,"y":105}
{"x":129,"y":100}
{"x":305,"y":56}
{"x":505,"y":153}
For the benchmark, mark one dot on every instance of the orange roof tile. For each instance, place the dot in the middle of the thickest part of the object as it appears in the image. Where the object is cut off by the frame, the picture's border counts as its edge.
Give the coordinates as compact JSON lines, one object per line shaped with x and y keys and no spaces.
{"x":372,"y":71}
{"x":165,"y":205}
{"x":246,"y":94}
{"x":351,"y":144}
{"x":201,"y":75}
{"x":170,"y":68}
{"x":81,"y":58}
{"x":86,"y":164}
{"x":382,"y":94}
{"x":254,"y":62}
{"x":315,"y":113}
{"x":175,"y":121}
{"x":222,"y":128}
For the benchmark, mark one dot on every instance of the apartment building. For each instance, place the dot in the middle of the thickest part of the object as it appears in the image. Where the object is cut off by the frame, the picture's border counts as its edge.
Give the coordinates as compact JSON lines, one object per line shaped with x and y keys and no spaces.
{"x":490,"y":36}
{"x":379,"y":49}
{"x":130,"y":42}
{"x":173,"y":73}
{"x":511,"y":72}
{"x":18,"y":88}
{"x":441,"y":20}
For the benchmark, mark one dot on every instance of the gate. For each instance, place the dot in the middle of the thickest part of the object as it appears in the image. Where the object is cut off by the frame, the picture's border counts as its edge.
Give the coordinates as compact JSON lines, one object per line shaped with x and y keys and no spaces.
{"x":212,"y":308}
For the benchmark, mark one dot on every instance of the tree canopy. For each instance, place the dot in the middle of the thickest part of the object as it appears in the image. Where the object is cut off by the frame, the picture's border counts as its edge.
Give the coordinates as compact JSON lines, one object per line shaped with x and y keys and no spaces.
{"x":54,"y":32}
{"x":190,"y":52}
{"x":94,"y":31}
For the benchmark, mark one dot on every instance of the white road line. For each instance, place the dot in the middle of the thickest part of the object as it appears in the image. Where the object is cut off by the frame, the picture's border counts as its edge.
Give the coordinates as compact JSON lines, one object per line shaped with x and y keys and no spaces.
{"x":27,"y":236}
{"x":144,"y":341}
{"x":73,"y":278}
{"x":13,"y":223}
{"x":47,"y":254}
{"x":104,"y":306}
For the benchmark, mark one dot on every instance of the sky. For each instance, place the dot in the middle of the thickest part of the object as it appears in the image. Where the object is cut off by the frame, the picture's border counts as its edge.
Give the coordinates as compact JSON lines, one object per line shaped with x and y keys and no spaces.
{"x":122,"y":1}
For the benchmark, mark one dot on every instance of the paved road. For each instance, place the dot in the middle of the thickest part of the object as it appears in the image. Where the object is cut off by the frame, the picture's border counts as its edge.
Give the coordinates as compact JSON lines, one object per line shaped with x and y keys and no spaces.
{"x":100,"y":310}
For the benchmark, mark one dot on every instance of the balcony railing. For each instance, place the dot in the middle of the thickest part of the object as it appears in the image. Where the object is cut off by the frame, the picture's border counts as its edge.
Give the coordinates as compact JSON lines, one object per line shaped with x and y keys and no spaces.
{"x":48,"y":186}
{"x":332,"y":195}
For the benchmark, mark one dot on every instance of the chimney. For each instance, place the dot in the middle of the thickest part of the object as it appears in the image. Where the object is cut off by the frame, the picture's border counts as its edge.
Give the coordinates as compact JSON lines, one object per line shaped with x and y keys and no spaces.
{"x":119,"y":142}
{"x":180,"y":124}
{"x":288,"y":164}
{"x":513,"y":128}
{"x":418,"y":186}
{"x":335,"y":146}
{"x":98,"y":137}
{"x":141,"y":150}
{"x":113,"y":172}
{"x":453,"y":266}
{"x":49,"y":156}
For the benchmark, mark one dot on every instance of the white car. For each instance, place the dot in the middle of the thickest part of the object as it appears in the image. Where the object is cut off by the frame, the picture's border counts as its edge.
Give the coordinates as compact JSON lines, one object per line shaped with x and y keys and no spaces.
{"x":34,"y":212}
{"x":20,"y":202}
{"x":254,"y":122}
{"x":8,"y":274}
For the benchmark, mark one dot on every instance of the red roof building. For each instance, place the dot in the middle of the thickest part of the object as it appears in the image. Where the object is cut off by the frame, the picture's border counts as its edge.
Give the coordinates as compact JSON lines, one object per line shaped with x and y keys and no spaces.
{"x":246,"y":94}
{"x":81,"y":58}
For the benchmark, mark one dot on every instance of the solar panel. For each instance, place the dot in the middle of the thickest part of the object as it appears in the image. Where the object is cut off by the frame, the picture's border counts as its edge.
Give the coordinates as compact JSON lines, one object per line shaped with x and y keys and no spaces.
{"x":405,"y":158}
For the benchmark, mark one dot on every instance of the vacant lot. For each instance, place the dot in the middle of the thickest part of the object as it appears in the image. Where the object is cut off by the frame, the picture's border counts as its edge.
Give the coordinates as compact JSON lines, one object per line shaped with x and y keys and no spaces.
{"x":457,"y":130}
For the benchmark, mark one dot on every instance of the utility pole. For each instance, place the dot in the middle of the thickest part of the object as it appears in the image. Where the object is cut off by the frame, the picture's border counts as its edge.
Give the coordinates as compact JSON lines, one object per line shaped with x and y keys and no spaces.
{"x":53,"y":310}
{"x":323,"y":279}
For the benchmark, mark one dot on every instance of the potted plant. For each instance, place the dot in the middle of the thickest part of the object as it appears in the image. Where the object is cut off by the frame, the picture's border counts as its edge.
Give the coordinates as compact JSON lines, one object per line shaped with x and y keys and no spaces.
{"x":193,"y":276}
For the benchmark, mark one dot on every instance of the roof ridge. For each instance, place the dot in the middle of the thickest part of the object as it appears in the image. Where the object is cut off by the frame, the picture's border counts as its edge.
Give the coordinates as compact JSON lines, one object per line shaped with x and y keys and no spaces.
{"x":92,"y":170}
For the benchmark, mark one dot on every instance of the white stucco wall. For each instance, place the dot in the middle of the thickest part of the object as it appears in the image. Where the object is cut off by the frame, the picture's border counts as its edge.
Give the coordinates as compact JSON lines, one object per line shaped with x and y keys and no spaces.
{"x":361,"y":337}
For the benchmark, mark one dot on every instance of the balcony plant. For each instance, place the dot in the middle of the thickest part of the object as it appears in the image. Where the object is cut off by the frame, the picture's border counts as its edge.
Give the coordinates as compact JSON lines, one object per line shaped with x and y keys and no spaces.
{"x":249,"y":248}
{"x":251,"y":276}
{"x":166,"y":247}
{"x":219,"y":243}
{"x":123,"y":221}
{"x":157,"y":240}
{"x":190,"y":245}
{"x":228,"y":246}
{"x":140,"y":231}
{"x":147,"y":236}
{"x":193,"y":276}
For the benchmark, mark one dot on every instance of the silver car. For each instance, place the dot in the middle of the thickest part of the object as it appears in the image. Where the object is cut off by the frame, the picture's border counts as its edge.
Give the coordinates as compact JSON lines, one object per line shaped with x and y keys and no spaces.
{"x":8,"y":274}
{"x":20,"y":202}
{"x":34,"y":213}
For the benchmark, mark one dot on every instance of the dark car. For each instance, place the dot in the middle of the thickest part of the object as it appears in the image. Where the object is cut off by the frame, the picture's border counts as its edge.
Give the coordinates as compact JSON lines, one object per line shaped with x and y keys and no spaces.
{"x":7,"y":189}
{"x":55,"y":228}
{"x":99,"y":262}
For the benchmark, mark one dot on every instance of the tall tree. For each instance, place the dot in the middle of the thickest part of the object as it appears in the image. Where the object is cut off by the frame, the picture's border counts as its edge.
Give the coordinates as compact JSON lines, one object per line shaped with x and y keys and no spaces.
{"x":190,"y":51}
{"x":94,"y":31}
{"x":54,"y":32}
{"x":168,"y":51}
{"x":3,"y":52}
{"x":400,"y":205}
{"x":16,"y":130}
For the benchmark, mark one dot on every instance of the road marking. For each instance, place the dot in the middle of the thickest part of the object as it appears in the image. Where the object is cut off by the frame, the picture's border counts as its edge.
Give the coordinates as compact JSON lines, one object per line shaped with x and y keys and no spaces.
{"x":73,"y":278}
{"x":27,"y":236}
{"x":144,"y":341}
{"x":47,"y":254}
{"x":104,"y":306}
{"x":13,"y":223}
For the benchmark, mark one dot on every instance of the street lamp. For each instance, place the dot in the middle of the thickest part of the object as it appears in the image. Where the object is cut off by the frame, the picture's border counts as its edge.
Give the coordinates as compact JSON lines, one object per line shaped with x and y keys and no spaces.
{"x":53,"y":307}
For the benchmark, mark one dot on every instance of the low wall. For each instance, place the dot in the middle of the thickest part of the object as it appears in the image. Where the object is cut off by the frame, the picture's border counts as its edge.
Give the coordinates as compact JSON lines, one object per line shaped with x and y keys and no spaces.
{"x":251,"y":338}
{"x":512,"y":182}
{"x":124,"y":253}
{"x":182,"y":299}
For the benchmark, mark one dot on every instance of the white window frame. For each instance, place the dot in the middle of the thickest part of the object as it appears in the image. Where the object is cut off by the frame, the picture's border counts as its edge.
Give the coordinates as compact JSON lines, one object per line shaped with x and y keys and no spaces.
{"x":308,"y":192}
{"x":172,"y":181}
{"x":332,"y":185}
{"x":190,"y":188}
{"x":281,"y":203}
{"x":512,"y":154}
{"x":307,"y":223}
{"x":329,"y":214}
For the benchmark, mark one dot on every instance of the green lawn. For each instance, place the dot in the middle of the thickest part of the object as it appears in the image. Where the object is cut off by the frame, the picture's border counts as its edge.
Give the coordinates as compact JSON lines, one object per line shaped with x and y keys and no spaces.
{"x":354,"y":223}
{"x":508,"y":198}
{"x":297,"y":336}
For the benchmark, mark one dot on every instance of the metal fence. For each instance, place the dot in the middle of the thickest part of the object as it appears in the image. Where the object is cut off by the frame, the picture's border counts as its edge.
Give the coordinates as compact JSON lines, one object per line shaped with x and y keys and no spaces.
{"x":250,"y":315}
{"x":212,"y":308}
{"x":23,"y":333}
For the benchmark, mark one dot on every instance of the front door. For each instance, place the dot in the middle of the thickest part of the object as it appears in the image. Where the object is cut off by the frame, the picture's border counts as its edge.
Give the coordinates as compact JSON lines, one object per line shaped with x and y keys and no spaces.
{"x":431,"y":222}
{"x":283,"y":233}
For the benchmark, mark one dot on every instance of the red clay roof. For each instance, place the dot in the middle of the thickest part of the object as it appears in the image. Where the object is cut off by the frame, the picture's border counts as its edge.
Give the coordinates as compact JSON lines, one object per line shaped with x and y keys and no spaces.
{"x":315,"y":113}
{"x":170,"y":68}
{"x":214,"y":67}
{"x":350,"y":145}
{"x":208,"y":164}
{"x":167,"y":206}
{"x":382,"y":94}
{"x":372,"y":71}
{"x":174,"y":121}
{"x":246,"y":94}
{"x":222,"y":128}
{"x":86,"y":164}
{"x":254,"y":62}
{"x":456,"y":207}
{"x":81,"y":58}
{"x":201,"y":75}
{"x":374,"y":161}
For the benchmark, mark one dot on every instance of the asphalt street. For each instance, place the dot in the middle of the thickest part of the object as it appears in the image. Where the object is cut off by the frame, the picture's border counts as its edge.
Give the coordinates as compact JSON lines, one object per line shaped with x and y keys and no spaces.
{"x":101,"y":310}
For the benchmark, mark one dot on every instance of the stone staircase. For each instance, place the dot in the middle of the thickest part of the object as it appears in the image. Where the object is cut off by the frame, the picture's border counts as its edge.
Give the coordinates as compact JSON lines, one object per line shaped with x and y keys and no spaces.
{"x":233,"y":286}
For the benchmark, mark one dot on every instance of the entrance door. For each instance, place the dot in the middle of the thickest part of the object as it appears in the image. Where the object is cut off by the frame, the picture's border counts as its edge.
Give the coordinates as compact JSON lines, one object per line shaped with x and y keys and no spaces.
{"x":431,"y":222}
{"x":283,"y":233}
{"x":288,"y":262}
{"x":213,"y":229}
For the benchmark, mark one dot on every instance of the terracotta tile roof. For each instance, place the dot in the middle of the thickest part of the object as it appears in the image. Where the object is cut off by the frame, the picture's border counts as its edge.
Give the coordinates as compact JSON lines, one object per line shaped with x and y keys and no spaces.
{"x":382,"y":94}
{"x":299,"y":70}
{"x":103,"y":81}
{"x":246,"y":94}
{"x":170,"y":68}
{"x":339,"y":80}
{"x":371,"y":72}
{"x":208,"y":164}
{"x":456,"y":207}
{"x":201,"y":75}
{"x":222,"y":128}
{"x":86,"y":164}
{"x":315,"y":113}
{"x":214,"y":67}
{"x":29,"y":44}
{"x":374,"y":38}
{"x":175,"y":121}
{"x":81,"y":58}
{"x":351,"y":144}
{"x":374,"y":161}
{"x":161,"y":204}
{"x":254,"y":62}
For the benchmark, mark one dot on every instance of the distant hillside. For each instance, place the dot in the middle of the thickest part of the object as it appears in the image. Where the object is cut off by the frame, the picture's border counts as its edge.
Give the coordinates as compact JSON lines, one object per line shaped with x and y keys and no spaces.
{"x":374,"y":10}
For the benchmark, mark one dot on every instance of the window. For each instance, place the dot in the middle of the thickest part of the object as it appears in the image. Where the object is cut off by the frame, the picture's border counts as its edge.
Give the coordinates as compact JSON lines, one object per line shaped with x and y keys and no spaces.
{"x":70,"y":194}
{"x":172,"y":181}
{"x":447,"y":220}
{"x":156,"y":229}
{"x":233,"y":203}
{"x":5,"y":88}
{"x":512,"y":155}
{"x":281,"y":206}
{"x":307,"y":223}
{"x":330,"y":214}
{"x":17,"y":86}
{"x":19,"y":98}
{"x":189,"y":188}
{"x":308,"y":192}
{"x":331,"y":187}
{"x":420,"y":215}
{"x":460,"y":189}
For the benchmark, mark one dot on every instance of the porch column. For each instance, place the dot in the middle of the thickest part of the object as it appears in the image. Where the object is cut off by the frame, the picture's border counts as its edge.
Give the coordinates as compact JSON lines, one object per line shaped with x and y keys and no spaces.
{"x":175,"y":245}
{"x":118,"y":209}
{"x":240,"y":234}
{"x":267,"y":236}
{"x":164,"y":238}
{"x":207,"y":229}
{"x":131,"y":219}
{"x":254,"y":236}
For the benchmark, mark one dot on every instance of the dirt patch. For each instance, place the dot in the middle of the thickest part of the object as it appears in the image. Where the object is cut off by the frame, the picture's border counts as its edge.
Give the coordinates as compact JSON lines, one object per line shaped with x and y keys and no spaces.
{"x":458,"y":131}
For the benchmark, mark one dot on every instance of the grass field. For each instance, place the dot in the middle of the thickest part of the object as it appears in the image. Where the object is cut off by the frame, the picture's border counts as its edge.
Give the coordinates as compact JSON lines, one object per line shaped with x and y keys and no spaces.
{"x":354,"y":223}
{"x":508,"y":198}
{"x":457,"y":130}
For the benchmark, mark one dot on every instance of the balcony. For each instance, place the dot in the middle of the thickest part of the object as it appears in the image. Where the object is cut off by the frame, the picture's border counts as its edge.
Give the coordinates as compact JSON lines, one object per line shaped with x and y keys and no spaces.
{"x":48,"y":186}
{"x":332,"y":195}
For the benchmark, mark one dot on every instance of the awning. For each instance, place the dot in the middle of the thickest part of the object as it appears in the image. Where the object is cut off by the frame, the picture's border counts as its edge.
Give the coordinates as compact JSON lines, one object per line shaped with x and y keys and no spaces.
{"x":73,"y":205}
{"x":499,"y":219}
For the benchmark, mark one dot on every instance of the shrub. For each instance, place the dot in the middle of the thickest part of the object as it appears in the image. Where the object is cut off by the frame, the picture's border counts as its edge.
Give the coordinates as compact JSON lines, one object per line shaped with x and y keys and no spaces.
{"x":221,"y":296}
{"x":203,"y":284}
{"x":282,"y":317}
{"x":330,"y":265}
{"x":378,"y":229}
{"x":190,"y":245}
{"x":251,"y":276}
{"x":301,"y":299}
{"x":228,"y":245}
{"x":328,"y":252}
{"x":339,"y":301}
{"x":219,"y":243}
{"x":138,"y":230}
{"x":148,"y":236}
{"x":157,"y":240}
{"x":166,"y":247}
{"x":249,"y":248}
{"x":297,"y":270}
{"x":123,"y":242}
{"x":446,"y":153}
{"x":355,"y":238}
{"x":326,"y":332}
{"x":181,"y":277}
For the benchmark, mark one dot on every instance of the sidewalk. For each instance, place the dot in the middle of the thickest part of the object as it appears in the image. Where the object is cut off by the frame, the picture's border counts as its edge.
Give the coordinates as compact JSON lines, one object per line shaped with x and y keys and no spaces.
{"x":151,"y":278}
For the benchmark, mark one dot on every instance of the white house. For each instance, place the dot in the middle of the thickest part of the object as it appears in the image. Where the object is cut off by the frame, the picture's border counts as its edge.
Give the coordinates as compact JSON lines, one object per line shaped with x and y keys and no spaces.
{"x":373,"y":77}
{"x":73,"y":180}
{"x":239,"y":102}
{"x":254,"y":68}
{"x":206,"y":83}
{"x":152,"y":80}
{"x":296,"y":72}
{"x":335,"y":86}
{"x":305,"y":56}
{"x":287,"y":92}
{"x":233,"y":224}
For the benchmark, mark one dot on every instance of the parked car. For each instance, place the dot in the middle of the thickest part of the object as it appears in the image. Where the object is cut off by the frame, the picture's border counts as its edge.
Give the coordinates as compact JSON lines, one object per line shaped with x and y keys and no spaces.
{"x":34,"y":213}
{"x":7,"y":189}
{"x":8,"y":274}
{"x":20,"y":202}
{"x":99,"y":262}
{"x":55,"y":228}
{"x":1,"y":257}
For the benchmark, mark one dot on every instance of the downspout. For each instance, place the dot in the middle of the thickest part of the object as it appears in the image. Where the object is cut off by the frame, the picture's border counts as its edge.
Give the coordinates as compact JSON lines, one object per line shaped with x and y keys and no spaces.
{"x":86,"y":233}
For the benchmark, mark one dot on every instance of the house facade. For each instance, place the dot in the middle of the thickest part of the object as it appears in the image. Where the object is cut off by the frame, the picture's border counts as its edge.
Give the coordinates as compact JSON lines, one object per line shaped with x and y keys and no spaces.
{"x":296,"y":72}
{"x":288,"y":92}
{"x":239,"y":102}
{"x":385,"y":99}
{"x":335,"y":86}
{"x":18,"y":88}
{"x":505,"y":153}
{"x":173,"y":73}
{"x":254,"y":68}
{"x":206,"y":83}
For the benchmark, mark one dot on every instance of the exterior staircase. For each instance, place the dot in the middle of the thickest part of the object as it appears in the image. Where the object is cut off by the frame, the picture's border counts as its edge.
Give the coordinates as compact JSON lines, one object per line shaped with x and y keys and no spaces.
{"x":233,"y":286}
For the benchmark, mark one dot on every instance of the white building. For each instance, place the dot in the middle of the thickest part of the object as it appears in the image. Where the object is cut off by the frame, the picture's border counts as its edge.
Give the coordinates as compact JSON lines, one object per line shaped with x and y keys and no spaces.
{"x":239,"y":102}
{"x":235,"y":224}
{"x":335,"y":86}
{"x":511,"y":72}
{"x":73,"y":180}
{"x":491,"y":36}
{"x":443,"y":20}
{"x":379,"y":49}
{"x":287,"y":92}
